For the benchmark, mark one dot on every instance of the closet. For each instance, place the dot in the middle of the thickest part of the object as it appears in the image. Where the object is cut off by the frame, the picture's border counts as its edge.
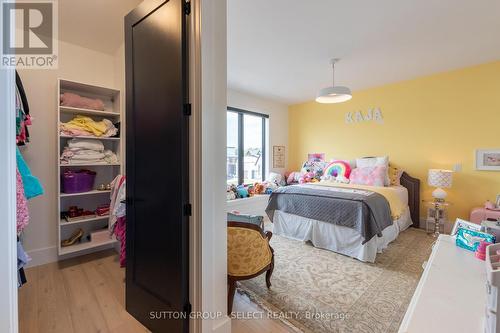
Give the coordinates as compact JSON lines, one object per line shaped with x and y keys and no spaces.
{"x":84,"y":180}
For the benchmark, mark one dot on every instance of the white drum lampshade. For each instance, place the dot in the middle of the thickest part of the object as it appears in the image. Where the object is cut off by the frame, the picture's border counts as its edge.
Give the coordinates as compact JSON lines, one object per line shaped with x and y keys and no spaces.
{"x":440,"y":179}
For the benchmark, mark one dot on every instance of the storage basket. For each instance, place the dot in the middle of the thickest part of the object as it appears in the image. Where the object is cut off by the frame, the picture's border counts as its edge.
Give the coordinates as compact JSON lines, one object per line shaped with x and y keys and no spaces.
{"x":77,"y":181}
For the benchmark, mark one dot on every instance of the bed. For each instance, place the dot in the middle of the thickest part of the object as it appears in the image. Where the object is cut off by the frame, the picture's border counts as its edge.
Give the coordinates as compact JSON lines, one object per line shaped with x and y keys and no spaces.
{"x":357,"y":221}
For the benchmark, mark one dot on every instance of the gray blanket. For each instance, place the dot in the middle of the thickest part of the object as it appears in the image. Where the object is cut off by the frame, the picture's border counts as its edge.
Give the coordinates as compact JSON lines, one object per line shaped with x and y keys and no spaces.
{"x":364,"y":211}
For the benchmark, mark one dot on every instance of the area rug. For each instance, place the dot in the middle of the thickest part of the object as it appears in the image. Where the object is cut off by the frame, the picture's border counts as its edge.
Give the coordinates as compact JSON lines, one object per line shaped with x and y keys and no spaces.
{"x":315,"y":290}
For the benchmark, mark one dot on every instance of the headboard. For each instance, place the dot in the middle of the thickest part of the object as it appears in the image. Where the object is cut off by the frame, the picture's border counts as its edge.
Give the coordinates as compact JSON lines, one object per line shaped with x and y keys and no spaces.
{"x":413,"y":187}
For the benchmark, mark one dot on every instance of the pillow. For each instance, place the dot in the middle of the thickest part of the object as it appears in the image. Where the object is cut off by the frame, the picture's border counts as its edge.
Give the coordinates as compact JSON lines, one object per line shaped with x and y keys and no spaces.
{"x":338,"y":168}
{"x":352,"y":163}
{"x":373,"y":176}
{"x":395,"y":174}
{"x":373,"y":162}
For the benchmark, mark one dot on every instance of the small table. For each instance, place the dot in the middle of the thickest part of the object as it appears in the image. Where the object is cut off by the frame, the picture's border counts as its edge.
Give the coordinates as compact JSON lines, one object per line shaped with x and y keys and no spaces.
{"x":439,"y":210}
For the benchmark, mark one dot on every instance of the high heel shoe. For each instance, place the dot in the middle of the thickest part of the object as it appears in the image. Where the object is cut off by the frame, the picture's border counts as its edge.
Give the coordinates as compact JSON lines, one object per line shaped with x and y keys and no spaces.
{"x":75,"y":237}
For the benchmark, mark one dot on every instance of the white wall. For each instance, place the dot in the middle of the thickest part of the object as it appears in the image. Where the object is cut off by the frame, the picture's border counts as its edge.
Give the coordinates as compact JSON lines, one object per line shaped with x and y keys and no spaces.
{"x":75,"y":63}
{"x":278,"y":121}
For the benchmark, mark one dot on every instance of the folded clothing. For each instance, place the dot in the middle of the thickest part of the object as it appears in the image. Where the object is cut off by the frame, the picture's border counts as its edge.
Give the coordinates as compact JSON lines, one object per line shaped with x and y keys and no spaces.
{"x":86,"y":126}
{"x":86,"y":144}
{"x":87,"y":151}
{"x":77,"y":101}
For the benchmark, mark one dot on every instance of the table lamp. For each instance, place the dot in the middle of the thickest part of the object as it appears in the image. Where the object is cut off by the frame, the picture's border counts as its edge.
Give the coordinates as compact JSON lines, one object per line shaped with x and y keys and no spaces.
{"x":439,"y":178}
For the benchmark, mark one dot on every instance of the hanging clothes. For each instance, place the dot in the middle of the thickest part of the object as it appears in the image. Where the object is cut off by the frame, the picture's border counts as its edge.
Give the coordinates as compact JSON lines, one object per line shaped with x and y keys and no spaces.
{"x":23,"y":118}
{"x":117,"y":212}
{"x":32,"y":186}
{"x":22,"y":213}
{"x":22,"y":260}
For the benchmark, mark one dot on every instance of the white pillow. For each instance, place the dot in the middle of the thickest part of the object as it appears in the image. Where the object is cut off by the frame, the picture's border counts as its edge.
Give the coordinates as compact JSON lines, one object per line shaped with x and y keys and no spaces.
{"x":366,"y":162}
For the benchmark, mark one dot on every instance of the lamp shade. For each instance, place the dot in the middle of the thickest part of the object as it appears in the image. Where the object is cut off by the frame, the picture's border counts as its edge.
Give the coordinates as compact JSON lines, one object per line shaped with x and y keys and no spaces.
{"x":440,"y":178}
{"x":337,"y":94}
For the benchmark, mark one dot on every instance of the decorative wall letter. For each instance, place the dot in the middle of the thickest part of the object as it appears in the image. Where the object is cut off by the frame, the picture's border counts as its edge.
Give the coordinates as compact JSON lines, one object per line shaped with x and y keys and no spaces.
{"x":374,"y":114}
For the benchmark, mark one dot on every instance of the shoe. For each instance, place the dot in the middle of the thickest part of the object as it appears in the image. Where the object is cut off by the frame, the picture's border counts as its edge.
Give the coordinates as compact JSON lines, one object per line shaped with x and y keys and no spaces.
{"x":76,"y":237}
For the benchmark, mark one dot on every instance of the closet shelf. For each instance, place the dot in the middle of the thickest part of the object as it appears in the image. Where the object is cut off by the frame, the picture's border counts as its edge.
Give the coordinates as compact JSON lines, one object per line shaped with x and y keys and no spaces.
{"x":87,"y":165}
{"x":67,"y":109}
{"x":84,"y":246}
{"x":89,"y":137}
{"x":97,"y":218}
{"x":63,"y":195}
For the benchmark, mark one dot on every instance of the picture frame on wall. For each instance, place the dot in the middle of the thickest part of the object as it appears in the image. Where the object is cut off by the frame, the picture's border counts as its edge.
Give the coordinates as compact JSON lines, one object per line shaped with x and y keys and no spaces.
{"x":488,"y":159}
{"x":278,"y":156}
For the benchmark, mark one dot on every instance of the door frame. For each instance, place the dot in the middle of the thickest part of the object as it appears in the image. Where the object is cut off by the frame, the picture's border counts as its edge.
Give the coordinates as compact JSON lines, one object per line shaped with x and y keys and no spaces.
{"x":208,"y":96}
{"x":8,"y":239}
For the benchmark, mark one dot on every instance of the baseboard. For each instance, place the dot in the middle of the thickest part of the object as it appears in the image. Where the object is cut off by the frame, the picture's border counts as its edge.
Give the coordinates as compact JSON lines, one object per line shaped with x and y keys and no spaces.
{"x":42,"y":256}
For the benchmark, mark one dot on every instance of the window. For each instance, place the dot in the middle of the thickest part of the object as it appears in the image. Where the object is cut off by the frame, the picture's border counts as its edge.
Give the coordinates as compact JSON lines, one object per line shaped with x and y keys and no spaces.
{"x":246,"y":146}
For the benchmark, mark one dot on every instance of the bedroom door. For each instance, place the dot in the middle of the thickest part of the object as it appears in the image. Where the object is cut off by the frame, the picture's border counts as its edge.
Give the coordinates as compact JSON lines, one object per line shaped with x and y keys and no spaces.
{"x":157,"y":279}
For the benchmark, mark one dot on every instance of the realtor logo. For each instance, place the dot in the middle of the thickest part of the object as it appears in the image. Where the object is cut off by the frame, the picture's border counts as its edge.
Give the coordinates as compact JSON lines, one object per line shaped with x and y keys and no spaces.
{"x":29,"y":34}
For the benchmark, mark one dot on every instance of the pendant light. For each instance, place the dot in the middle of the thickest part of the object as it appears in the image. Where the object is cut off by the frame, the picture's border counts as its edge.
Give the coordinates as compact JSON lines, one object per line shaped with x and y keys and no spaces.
{"x":334,"y":94}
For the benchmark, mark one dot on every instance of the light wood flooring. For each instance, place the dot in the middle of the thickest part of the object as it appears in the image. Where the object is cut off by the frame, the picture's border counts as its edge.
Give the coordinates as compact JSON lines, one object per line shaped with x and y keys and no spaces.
{"x":87,"y":294}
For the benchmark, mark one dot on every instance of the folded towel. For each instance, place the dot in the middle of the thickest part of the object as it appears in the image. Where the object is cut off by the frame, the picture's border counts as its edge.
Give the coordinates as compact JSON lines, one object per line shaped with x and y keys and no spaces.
{"x":89,"y":144}
{"x":77,"y":101}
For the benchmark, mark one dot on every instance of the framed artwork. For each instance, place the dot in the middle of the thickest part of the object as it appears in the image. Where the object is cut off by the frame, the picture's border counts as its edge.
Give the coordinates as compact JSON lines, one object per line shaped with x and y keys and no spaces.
{"x":488,"y":159}
{"x":278,"y":156}
{"x":316,"y":157}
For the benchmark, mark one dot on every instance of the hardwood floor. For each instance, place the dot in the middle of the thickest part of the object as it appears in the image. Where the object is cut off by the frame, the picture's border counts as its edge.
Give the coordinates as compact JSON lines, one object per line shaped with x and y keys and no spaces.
{"x":87,"y":294}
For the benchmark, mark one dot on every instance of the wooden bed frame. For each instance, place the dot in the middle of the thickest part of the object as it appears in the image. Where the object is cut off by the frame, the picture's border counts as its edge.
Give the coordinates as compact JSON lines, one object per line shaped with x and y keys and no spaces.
{"x":413,"y":187}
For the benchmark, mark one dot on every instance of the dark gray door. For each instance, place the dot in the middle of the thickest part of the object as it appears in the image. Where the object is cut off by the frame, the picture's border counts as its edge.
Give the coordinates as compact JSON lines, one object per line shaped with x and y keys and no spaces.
{"x":157,"y":278}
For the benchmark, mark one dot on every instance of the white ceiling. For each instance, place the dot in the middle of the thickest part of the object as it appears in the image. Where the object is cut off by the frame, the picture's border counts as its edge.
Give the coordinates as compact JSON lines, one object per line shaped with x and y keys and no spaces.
{"x":94,"y":24}
{"x":281,"y":49}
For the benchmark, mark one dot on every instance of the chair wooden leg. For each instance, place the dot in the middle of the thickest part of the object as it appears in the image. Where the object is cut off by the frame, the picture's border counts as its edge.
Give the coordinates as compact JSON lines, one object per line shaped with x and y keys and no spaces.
{"x":231,"y":284}
{"x":269,"y":273}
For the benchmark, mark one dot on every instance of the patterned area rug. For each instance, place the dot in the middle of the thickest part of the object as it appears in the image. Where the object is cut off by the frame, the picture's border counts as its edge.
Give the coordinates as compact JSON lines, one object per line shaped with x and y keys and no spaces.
{"x":315,"y":290}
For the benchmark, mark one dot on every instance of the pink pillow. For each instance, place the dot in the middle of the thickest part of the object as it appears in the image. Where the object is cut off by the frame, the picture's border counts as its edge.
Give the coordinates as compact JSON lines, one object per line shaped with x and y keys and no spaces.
{"x":373,"y":176}
{"x":77,"y":101}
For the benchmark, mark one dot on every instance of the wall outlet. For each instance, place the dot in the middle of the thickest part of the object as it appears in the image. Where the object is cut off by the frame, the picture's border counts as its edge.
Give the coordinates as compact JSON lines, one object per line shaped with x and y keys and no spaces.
{"x":457,"y":167}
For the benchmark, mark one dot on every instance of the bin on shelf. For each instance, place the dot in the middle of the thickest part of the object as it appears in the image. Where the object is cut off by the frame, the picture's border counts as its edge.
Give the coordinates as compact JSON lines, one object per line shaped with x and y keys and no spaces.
{"x":77,"y":181}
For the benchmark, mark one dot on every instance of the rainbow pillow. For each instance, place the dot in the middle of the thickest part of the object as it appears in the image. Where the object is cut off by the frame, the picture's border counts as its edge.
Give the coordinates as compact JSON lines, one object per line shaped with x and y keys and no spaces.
{"x":338,"y":168}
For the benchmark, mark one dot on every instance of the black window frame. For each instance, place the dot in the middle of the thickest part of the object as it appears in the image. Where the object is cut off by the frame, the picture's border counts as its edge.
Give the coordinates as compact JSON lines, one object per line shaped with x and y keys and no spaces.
{"x":241,"y":138}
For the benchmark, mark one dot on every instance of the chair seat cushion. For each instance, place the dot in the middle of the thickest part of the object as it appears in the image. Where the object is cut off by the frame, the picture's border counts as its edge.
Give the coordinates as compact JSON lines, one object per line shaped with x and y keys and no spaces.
{"x":247,"y":252}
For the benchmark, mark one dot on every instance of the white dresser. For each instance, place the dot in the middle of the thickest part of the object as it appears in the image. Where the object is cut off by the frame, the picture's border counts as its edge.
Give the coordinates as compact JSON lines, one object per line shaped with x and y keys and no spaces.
{"x":255,"y":205}
{"x":451,"y":295}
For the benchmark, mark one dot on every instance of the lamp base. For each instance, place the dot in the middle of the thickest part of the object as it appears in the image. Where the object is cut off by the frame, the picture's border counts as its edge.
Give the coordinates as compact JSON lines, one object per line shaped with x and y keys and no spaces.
{"x":439,"y":194}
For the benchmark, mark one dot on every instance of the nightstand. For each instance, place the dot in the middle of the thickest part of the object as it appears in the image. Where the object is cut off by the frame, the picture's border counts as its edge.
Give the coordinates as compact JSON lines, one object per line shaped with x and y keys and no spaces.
{"x":437,"y":216}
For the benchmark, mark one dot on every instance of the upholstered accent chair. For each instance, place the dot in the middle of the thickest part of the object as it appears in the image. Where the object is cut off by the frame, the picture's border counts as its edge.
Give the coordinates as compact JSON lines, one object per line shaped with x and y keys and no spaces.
{"x":248,"y":255}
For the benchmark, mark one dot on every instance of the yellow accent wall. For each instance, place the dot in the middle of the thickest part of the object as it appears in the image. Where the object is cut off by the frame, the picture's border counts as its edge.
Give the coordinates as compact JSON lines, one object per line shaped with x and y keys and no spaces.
{"x":429,"y":122}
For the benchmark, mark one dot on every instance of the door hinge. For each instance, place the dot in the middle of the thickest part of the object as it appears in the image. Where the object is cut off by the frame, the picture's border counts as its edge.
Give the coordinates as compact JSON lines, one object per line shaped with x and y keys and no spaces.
{"x":187,"y":7}
{"x":187,"y":109}
{"x":188,"y":308}
{"x":187,"y":209}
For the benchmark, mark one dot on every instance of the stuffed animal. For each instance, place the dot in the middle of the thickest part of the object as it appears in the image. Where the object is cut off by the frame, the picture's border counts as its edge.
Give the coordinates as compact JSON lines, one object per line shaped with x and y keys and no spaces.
{"x":259,"y":188}
{"x":231,"y":192}
{"x":251,"y":190}
{"x":306,"y":178}
{"x":293,"y":177}
{"x":242,"y":191}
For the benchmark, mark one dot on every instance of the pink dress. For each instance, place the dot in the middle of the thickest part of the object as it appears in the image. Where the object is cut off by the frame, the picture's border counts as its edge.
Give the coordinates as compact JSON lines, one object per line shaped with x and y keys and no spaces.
{"x":21,"y":204}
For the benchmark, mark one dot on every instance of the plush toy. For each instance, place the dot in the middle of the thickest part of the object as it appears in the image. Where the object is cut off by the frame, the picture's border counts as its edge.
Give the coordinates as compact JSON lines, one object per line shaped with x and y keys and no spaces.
{"x":259,"y":188}
{"x":242,"y":191}
{"x":251,"y":190}
{"x":231,"y":192}
{"x":306,"y":178}
{"x":293,"y":177}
